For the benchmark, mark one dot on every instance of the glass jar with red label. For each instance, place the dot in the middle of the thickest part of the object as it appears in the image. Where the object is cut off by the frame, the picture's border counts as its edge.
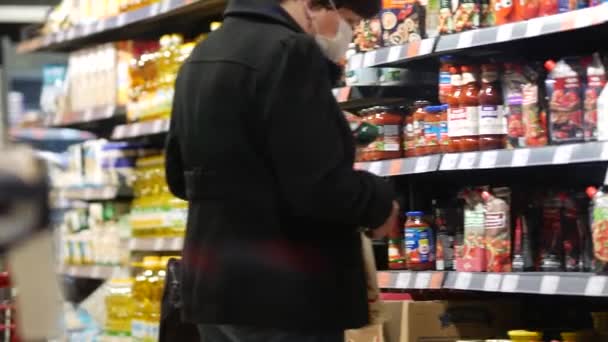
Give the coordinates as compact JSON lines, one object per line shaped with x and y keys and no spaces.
{"x":469,"y":102}
{"x":408,"y":135}
{"x":455,"y":112}
{"x":564,"y":90}
{"x":388,"y":144}
{"x":419,"y":116}
{"x":442,"y":134}
{"x":419,"y":243}
{"x":432,"y":120}
{"x":492,"y":121}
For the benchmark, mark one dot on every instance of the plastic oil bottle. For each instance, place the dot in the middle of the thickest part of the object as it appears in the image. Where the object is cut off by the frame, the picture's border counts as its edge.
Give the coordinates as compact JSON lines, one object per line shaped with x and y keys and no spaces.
{"x":119,"y":308}
{"x":142,"y":292}
{"x":157,"y":285}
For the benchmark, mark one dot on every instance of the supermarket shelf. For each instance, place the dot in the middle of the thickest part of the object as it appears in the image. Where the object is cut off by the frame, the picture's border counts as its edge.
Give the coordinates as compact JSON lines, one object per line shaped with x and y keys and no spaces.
{"x":88,"y":116}
{"x":91,"y":271}
{"x":126,"y":25}
{"x":549,"y":155}
{"x":91,"y":193}
{"x":523,"y":157}
{"x":404,"y":166}
{"x":47,"y":134}
{"x":140,"y":129}
{"x":404,"y":280}
{"x":156,"y":244}
{"x":570,"y":284}
{"x":526,"y":29}
{"x":392,"y":55}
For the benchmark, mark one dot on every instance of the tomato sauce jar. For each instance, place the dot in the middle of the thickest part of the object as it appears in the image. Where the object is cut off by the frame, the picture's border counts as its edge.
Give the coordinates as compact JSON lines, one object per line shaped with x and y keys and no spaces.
{"x":492,"y":120}
{"x":419,"y":116}
{"x":419,"y":243}
{"x":388,"y":144}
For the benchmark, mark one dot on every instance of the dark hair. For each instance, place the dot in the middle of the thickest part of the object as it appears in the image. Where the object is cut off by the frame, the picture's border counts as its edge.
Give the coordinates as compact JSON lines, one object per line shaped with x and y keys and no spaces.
{"x":364,"y":8}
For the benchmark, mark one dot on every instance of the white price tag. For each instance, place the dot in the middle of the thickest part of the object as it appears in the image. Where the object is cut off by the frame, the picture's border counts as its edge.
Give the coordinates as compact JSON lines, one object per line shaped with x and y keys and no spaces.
{"x":423,"y":280}
{"x":604,"y":151}
{"x":158,"y":244}
{"x":422,"y":164}
{"x":465,"y":40}
{"x":369,"y":59}
{"x":132,"y":244}
{"x":177,"y":244}
{"x":375,"y":167}
{"x":463,"y":280}
{"x":563,"y":154}
{"x":96,"y":272}
{"x":100,"y":26}
{"x":88,"y":29}
{"x":504,"y":33}
{"x":448,"y":161}
{"x":135,"y":130}
{"x":467,"y":160}
{"x":488,"y":160}
{"x":71,"y":33}
{"x":88,"y":115}
{"x":595,"y":286}
{"x":119,"y":132}
{"x":582,"y":19}
{"x":394,"y":54}
{"x":61,"y":36}
{"x":158,"y":126}
{"x":122,"y":20}
{"x":549,"y":284}
{"x":509,"y":283}
{"x":426,"y":47}
{"x":166,"y":5}
{"x":492,"y":282}
{"x":355,"y":62}
{"x":403,"y":280}
{"x":534,"y":27}
{"x":154,"y":9}
{"x":520,"y":157}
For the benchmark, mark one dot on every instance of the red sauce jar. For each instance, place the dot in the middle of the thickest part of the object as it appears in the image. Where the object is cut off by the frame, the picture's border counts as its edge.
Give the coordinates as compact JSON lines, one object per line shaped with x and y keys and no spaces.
{"x":408,"y":136}
{"x":432,"y":121}
{"x":419,"y":116}
{"x":388,"y":145}
{"x":492,"y":121}
{"x":455,"y":114}
{"x":469,"y":101}
{"x":419,"y":243}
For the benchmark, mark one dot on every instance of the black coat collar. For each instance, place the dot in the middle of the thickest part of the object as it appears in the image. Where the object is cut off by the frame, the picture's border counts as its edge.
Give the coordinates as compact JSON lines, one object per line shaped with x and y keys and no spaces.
{"x":263,"y":9}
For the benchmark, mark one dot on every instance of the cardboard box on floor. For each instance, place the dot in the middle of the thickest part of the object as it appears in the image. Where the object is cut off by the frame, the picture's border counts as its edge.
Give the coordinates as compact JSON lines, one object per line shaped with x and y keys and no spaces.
{"x":372,"y":333}
{"x":448,"y":321}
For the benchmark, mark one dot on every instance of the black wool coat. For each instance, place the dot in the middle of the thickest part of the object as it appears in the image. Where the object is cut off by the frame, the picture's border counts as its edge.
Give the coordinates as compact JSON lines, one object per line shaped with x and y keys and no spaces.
{"x":262,"y":152}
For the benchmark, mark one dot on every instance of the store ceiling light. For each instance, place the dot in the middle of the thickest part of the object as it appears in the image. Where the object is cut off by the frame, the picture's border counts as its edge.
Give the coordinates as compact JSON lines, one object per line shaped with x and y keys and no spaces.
{"x":18,"y":14}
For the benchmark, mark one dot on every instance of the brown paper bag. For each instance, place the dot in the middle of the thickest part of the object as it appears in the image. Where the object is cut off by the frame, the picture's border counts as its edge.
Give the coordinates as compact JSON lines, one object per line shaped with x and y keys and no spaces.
{"x":377,"y":312}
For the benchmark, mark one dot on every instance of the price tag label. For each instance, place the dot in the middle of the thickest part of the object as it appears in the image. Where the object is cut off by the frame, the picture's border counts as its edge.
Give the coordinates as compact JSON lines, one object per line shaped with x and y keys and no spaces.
{"x":158,"y":126}
{"x":504,"y":33}
{"x":403,"y":280}
{"x":158,"y":244}
{"x":132,"y":244}
{"x":166,"y":6}
{"x":426,"y":46}
{"x":422,"y":164}
{"x":71,"y":33}
{"x":467,"y":160}
{"x":604,"y":155}
{"x":122,"y":20}
{"x":549,"y":284}
{"x":88,"y":29}
{"x":423,"y":280}
{"x":356,"y":61}
{"x":375,"y":167}
{"x":534,"y":27}
{"x":520,"y":157}
{"x":96,"y":272}
{"x":465,"y":40}
{"x":509,"y":283}
{"x":369,"y":59}
{"x":394,"y":54}
{"x":488,"y":160}
{"x":463,"y":280}
{"x":449,"y":161}
{"x":100,"y":26}
{"x":563,"y":154}
{"x":135,"y":130}
{"x":154,"y":9}
{"x":595,"y":286}
{"x":582,"y":19}
{"x":61,"y":36}
{"x":177,"y":244}
{"x":119,"y":132}
{"x":492,"y":282}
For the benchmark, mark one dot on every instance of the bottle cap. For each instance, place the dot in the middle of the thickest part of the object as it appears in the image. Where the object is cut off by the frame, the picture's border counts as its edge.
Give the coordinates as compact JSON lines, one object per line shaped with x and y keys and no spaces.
{"x":415,"y":213}
{"x":591,"y":191}
{"x":550,"y":65}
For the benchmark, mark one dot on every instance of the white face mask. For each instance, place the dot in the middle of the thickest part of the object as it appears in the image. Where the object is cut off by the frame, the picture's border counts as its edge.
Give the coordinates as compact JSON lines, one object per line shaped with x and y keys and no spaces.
{"x":335,"y":48}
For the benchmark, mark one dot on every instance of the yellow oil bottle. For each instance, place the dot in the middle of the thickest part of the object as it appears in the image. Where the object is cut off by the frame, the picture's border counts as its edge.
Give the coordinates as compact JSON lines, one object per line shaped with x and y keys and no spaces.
{"x":119,"y":308}
{"x":142,"y":294}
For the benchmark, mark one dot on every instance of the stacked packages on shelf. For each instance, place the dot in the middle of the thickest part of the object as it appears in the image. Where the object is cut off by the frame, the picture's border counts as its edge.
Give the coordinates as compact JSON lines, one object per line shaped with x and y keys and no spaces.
{"x":497,"y":105}
{"x":485,"y":229}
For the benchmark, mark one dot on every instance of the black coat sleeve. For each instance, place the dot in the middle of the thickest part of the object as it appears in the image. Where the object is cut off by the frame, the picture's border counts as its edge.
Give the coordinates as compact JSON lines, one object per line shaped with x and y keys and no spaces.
{"x":308,"y":148}
{"x":174,"y":166}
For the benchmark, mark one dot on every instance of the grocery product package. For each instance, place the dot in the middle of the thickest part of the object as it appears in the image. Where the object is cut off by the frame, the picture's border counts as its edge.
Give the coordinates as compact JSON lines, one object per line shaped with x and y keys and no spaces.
{"x":450,"y":320}
{"x":473,"y":257}
{"x":497,"y":230}
{"x":372,"y":333}
{"x":403,"y":21}
{"x":596,"y":80}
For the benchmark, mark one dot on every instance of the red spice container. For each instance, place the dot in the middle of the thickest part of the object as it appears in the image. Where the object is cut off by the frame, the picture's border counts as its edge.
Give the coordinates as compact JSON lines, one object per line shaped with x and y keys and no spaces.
{"x":492,"y":121}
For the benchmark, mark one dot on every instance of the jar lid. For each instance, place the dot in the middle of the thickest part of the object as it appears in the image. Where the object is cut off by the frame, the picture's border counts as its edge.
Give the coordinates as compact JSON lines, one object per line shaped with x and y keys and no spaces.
{"x":415,"y":213}
{"x":525,"y":333}
{"x":433,"y":109}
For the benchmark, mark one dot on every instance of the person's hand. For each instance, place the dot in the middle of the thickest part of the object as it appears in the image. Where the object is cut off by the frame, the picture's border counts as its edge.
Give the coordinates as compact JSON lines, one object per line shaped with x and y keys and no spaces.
{"x":391,"y":222}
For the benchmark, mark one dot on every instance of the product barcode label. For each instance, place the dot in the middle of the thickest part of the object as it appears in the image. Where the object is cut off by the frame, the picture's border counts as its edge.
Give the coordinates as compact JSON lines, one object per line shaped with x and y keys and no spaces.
{"x":520,"y":157}
{"x":488,"y":160}
{"x":509,"y":283}
{"x":492,"y":282}
{"x":394,"y":54}
{"x":403,"y":280}
{"x":423,"y":280}
{"x":595,"y":286}
{"x":563,"y":154}
{"x":463,"y":280}
{"x":422,"y":164}
{"x":549,"y":284}
{"x":467,"y":160}
{"x":448,"y":162}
